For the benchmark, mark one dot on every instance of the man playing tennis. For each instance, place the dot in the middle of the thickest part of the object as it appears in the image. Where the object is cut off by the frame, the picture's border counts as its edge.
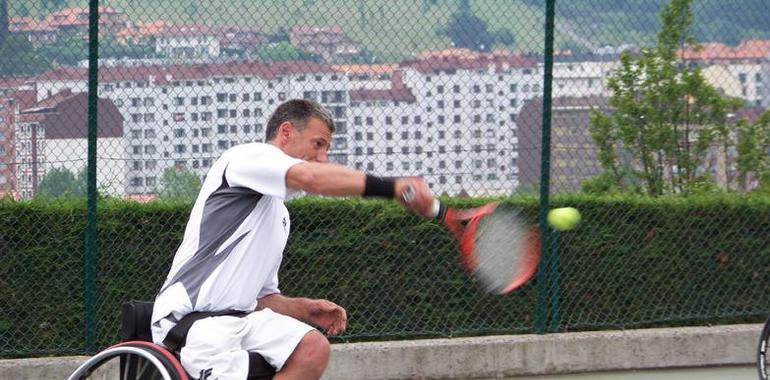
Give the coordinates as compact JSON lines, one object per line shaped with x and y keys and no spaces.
{"x":233,"y":246}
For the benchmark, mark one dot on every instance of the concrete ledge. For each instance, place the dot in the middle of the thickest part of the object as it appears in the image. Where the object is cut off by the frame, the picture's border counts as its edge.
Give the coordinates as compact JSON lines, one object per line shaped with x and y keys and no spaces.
{"x":58,"y":368}
{"x":499,"y":356}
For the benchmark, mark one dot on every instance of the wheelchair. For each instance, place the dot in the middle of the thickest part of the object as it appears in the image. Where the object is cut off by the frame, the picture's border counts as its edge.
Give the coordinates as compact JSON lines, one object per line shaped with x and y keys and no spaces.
{"x":136,"y":357}
{"x":764,"y":346}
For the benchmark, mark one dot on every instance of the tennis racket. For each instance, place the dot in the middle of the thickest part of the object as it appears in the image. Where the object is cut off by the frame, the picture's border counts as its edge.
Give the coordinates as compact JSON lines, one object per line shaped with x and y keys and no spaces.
{"x":497,"y":247}
{"x":764,"y":340}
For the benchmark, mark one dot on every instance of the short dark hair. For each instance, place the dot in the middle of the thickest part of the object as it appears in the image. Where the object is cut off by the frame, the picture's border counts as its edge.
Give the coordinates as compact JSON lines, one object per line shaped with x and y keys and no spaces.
{"x":298,"y":112}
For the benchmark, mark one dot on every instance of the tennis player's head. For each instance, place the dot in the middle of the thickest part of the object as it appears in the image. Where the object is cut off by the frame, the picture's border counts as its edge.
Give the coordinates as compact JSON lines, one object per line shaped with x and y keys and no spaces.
{"x":302,"y":129}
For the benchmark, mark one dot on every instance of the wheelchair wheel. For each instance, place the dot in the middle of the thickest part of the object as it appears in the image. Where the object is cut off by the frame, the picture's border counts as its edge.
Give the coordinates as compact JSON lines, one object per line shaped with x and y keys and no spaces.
{"x":133,"y":360}
{"x":764,"y":340}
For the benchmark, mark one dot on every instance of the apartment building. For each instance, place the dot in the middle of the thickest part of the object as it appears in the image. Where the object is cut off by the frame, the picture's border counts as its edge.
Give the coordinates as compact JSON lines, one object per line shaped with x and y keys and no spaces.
{"x":573,"y":156}
{"x":449,"y":116}
{"x":583,"y":74}
{"x":739,"y":70}
{"x":52,"y":133}
{"x":452,"y":119}
{"x":186,"y":116}
{"x":75,"y":20}
{"x":13,"y":96}
{"x":185,"y":41}
{"x":327,"y":42}
{"x":35,"y":31}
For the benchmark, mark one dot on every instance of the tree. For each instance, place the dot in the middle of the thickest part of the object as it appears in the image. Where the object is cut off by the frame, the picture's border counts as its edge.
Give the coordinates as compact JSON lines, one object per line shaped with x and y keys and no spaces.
{"x":20,"y":57}
{"x":4,"y":32}
{"x":283,"y":51}
{"x":109,"y":48}
{"x":178,"y":183}
{"x":752,"y":160}
{"x":468,"y":31}
{"x":665,"y":113}
{"x":68,"y":50}
{"x":60,"y":182}
{"x":282,"y":35}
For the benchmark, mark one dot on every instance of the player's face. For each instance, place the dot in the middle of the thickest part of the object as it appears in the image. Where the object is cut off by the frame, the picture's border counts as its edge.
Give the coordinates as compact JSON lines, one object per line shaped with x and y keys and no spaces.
{"x":311,"y":143}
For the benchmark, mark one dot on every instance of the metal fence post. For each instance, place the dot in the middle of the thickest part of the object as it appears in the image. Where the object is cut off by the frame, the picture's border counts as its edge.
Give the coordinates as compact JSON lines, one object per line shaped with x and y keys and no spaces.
{"x":90,"y":238}
{"x":545,"y":159}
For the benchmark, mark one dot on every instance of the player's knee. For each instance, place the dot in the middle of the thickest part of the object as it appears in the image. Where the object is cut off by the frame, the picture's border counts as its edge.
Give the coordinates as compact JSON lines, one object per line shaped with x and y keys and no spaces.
{"x":315,"y":349}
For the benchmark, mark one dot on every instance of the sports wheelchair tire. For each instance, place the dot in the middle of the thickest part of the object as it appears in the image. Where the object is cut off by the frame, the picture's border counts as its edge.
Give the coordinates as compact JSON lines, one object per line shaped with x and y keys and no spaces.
{"x":136,"y":360}
{"x":764,"y":341}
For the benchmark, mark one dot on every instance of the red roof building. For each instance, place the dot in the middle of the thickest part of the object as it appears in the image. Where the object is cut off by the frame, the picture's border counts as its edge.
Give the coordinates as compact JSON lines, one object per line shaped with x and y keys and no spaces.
{"x":746,"y":51}
{"x":76,"y":19}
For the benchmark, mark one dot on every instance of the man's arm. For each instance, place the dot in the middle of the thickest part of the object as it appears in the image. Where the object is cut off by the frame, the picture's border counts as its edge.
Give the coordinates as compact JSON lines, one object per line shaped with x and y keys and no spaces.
{"x":338,"y":180}
{"x":295,"y":307}
{"x":321,"y":313}
{"x":325,"y":179}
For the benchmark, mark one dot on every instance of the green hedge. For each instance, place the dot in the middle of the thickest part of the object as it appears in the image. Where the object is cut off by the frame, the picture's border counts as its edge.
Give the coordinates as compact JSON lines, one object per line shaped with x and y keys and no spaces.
{"x":632,"y":262}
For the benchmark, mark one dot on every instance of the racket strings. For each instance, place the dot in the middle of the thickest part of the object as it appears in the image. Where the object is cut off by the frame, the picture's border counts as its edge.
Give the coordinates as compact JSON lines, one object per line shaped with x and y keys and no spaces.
{"x":503,"y":254}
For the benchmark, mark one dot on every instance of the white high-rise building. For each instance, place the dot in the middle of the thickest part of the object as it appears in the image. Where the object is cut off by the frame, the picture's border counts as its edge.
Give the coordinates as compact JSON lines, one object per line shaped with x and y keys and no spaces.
{"x":449,"y":118}
{"x":583,"y":75}
{"x":186,"y":116}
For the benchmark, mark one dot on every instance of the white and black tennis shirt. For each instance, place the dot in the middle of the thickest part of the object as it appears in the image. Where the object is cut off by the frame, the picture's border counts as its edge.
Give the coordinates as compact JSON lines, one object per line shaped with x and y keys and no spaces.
{"x":234,"y":240}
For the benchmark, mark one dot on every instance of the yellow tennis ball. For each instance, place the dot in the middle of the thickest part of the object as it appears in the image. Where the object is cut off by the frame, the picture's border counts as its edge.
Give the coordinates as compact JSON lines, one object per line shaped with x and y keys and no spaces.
{"x":564,"y":219}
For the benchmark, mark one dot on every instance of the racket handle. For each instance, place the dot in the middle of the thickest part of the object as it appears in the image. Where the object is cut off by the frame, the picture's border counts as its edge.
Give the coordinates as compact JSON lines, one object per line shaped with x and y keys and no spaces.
{"x":439,"y":209}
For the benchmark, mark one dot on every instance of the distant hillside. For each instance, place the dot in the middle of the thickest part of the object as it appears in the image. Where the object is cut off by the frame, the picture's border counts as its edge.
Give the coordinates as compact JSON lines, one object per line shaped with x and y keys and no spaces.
{"x":397,"y":29}
{"x":614,"y":22}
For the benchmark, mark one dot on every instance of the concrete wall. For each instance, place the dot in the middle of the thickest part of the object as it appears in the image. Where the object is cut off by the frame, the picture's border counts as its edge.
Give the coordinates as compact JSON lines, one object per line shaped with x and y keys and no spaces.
{"x":498,"y":356}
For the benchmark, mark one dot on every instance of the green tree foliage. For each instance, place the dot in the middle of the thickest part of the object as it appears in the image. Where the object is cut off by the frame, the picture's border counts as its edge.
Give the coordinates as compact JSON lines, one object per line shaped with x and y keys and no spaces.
{"x":666,"y":116}
{"x":68,"y":50}
{"x":60,"y":182}
{"x":109,"y":48}
{"x":468,"y":31}
{"x":20,"y":57}
{"x":619,"y":21}
{"x":282,"y":35}
{"x":752,"y":161}
{"x":283,"y":51}
{"x":178,"y":184}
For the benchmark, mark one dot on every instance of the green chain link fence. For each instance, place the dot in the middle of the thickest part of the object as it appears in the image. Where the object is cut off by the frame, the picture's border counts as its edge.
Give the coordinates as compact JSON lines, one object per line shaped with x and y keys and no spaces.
{"x":663,"y":147}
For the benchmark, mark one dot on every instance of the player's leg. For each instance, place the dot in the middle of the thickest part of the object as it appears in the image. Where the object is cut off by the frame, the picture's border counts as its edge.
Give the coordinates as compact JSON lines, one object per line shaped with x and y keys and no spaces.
{"x":214,"y":349}
{"x":295,"y":349}
{"x":309,"y":359}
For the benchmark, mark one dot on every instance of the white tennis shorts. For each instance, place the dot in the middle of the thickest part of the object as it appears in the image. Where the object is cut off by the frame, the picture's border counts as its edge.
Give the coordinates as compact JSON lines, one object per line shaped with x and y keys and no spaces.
{"x":219,"y":346}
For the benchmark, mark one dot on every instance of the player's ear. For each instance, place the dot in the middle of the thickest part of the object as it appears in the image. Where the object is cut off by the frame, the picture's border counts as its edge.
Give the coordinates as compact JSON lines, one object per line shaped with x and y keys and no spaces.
{"x":285,"y":130}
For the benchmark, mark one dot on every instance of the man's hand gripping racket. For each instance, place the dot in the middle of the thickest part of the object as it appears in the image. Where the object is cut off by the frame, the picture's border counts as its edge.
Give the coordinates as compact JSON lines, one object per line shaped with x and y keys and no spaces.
{"x":497,"y":247}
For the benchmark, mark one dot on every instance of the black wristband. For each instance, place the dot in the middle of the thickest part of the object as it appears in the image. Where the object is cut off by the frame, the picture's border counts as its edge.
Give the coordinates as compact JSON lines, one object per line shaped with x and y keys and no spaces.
{"x":379,"y":187}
